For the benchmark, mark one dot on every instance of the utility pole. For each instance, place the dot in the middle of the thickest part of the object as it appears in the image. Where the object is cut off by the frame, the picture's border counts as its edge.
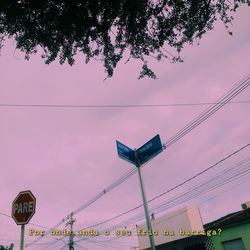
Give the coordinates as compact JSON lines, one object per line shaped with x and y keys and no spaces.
{"x":71,"y":237}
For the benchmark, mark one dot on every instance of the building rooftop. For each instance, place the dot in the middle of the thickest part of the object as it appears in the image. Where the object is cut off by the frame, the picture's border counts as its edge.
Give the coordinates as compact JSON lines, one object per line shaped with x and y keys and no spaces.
{"x":229,"y":219}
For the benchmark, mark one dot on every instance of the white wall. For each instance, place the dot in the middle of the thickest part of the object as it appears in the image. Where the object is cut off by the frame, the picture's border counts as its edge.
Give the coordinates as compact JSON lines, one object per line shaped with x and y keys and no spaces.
{"x":170,"y":227}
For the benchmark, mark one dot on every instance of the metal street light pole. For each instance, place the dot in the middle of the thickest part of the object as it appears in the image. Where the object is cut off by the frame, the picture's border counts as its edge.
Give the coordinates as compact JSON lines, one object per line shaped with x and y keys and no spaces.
{"x":138,"y":157}
{"x":145,"y":205}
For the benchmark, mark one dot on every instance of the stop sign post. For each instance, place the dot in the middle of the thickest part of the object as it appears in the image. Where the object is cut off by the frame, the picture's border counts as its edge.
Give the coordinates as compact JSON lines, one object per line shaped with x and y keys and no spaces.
{"x":23,"y":208}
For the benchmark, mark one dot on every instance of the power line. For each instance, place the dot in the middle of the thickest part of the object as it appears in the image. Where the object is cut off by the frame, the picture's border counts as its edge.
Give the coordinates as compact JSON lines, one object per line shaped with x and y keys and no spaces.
{"x":205,"y":187}
{"x":208,"y":112}
{"x":139,"y":218}
{"x":199,"y":203}
{"x":222,"y":178}
{"x":87,"y":204}
{"x":173,"y":188}
{"x":33,"y":224}
{"x":202,"y":172}
{"x":9,"y":105}
{"x":194,"y":192}
{"x":214,"y":182}
{"x":232,"y":93}
{"x":243,"y":84}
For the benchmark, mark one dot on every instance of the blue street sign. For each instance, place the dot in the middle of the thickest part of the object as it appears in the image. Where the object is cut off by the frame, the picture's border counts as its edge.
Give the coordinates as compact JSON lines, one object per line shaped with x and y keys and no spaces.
{"x":150,"y":149}
{"x":125,"y":152}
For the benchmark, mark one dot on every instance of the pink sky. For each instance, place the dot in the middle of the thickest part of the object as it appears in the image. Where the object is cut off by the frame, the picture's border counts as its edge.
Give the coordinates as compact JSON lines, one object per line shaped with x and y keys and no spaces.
{"x":65,"y":156}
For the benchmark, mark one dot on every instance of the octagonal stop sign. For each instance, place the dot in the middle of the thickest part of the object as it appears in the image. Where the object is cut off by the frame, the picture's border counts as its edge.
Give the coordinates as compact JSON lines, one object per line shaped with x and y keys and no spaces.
{"x":23,"y":207}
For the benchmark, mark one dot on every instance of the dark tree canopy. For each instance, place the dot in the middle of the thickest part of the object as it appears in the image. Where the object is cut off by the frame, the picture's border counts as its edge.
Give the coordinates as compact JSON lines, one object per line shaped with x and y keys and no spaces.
{"x":106,"y":30}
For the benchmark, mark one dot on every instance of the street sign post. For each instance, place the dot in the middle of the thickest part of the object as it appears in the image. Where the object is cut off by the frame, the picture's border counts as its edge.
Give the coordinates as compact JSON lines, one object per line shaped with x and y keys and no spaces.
{"x":23,"y":208}
{"x":138,"y":157}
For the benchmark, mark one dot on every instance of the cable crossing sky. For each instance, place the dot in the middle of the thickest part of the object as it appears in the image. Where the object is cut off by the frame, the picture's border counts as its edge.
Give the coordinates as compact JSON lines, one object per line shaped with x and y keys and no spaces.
{"x":241,"y":86}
